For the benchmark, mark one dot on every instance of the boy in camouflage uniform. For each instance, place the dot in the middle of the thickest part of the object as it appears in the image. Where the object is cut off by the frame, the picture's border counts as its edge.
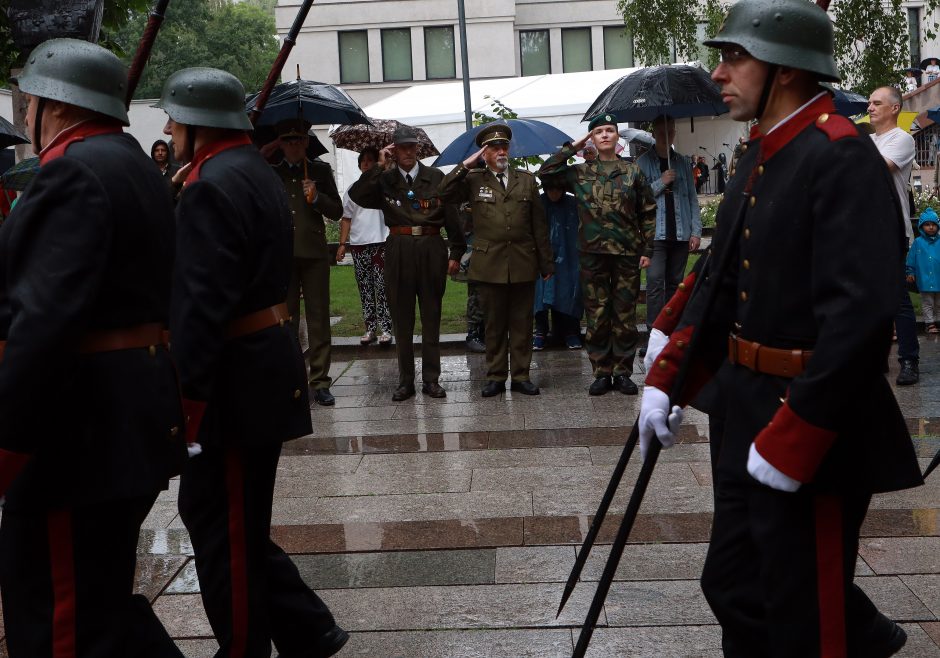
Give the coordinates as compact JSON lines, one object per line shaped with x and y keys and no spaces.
{"x":618,"y":219}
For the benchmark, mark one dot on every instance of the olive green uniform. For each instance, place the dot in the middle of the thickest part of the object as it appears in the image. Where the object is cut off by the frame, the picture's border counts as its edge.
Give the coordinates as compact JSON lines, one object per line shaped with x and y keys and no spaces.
{"x":310,"y":271}
{"x":510,"y":249}
{"x":617,"y":212}
{"x":415,"y":265}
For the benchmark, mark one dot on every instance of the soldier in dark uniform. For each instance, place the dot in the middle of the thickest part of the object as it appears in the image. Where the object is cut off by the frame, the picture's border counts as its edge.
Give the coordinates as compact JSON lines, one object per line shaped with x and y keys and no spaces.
{"x":618,"y":220}
{"x":85,"y":273}
{"x":803,"y":314}
{"x":510,"y":250}
{"x":312,"y":195}
{"x":416,"y":258}
{"x":240,"y":370}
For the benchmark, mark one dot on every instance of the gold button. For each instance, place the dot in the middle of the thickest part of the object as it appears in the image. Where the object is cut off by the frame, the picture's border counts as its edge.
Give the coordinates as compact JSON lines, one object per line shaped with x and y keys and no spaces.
{"x":823,"y":118}
{"x":760,"y":170}
{"x":746,"y":264}
{"x":743,"y":296}
{"x":668,"y":310}
{"x":174,"y":430}
{"x":753,"y":201}
{"x":152,"y":350}
{"x":293,"y":212}
{"x":680,"y":344}
{"x":747,"y":234}
{"x":297,"y":394}
{"x":743,"y":147}
{"x":681,"y":286}
{"x":663,"y":364}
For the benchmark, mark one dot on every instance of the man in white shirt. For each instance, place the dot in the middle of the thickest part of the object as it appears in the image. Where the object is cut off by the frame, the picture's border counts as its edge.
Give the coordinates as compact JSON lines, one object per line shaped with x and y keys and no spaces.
{"x":897,"y":149}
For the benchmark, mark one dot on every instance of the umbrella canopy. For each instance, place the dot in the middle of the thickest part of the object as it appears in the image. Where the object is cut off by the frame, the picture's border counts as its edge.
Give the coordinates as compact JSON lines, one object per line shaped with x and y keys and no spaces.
{"x":674,"y":90}
{"x":378,"y":136}
{"x":9,"y":135}
{"x":529,"y":137}
{"x":641,"y":137}
{"x":924,"y":63}
{"x":905,"y":120}
{"x":317,"y":102}
{"x":20,"y":175}
{"x":913,"y":69}
{"x":847,"y":102}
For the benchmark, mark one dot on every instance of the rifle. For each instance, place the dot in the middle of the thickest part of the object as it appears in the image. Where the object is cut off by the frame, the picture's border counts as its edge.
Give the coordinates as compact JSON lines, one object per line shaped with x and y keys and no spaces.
{"x":279,"y":62}
{"x":144,"y":47}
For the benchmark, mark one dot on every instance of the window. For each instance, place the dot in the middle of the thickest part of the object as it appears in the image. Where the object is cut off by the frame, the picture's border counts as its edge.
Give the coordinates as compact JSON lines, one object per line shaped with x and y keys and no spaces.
{"x":354,"y":56}
{"x":576,"y":49}
{"x":536,"y":55}
{"x":439,"y":59}
{"x":913,"y":29}
{"x":618,"y":48}
{"x":396,"y":54}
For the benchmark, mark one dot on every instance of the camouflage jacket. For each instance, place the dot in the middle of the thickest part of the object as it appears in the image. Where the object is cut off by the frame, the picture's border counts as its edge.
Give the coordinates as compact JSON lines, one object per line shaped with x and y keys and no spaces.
{"x":615,"y":204}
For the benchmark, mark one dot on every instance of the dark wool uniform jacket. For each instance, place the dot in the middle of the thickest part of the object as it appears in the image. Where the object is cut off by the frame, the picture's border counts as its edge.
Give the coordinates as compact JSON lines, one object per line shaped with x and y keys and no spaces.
{"x":816,"y":266}
{"x":89,"y":247}
{"x":309,"y":224}
{"x":234,"y":253}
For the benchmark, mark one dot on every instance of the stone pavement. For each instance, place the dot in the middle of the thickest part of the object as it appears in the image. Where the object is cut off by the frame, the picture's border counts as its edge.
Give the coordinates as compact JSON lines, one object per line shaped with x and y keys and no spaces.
{"x":446,"y":528}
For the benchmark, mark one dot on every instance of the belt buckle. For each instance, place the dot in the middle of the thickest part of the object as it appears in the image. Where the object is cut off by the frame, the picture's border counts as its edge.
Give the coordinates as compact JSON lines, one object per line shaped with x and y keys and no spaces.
{"x":417,"y":230}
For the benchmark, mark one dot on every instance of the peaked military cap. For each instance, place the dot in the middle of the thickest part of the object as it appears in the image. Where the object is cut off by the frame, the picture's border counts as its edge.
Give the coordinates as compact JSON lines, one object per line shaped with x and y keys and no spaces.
{"x":292,"y":128}
{"x":602,"y":120}
{"x":405,"y":135}
{"x":494,"y":133}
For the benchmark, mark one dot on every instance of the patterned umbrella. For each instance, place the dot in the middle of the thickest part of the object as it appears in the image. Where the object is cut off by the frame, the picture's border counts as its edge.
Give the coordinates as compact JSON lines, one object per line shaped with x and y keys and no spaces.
{"x":20,"y":175}
{"x":378,"y":135}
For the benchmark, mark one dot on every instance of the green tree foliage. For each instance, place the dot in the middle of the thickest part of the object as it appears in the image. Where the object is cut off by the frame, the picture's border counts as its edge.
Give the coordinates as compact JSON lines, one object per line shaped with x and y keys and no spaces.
{"x":237,"y":37}
{"x":871,"y":36}
{"x":500,"y":112}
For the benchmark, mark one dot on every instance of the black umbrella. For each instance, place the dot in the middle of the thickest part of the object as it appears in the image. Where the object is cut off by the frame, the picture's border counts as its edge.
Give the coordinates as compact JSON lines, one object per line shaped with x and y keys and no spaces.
{"x":924,"y":63}
{"x":847,"y":102}
{"x":9,"y":135}
{"x":317,"y":102}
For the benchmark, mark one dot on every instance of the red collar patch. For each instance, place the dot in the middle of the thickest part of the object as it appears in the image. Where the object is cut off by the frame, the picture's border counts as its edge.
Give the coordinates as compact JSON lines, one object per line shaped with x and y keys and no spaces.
{"x":209,"y":151}
{"x":783,"y":135}
{"x":77,"y":133}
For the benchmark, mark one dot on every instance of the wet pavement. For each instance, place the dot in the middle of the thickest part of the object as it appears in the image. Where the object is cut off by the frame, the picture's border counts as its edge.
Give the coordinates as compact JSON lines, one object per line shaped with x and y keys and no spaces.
{"x":448,"y":527}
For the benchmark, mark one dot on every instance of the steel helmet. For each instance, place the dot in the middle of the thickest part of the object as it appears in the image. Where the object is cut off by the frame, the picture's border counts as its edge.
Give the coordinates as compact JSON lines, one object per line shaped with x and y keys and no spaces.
{"x":792,"y":33}
{"x":79,"y":73}
{"x":205,"y":97}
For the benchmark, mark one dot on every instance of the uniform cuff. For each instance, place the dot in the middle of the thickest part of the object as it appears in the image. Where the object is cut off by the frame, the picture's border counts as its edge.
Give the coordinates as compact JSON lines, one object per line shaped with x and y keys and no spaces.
{"x":794,"y":446}
{"x":193,"y":411}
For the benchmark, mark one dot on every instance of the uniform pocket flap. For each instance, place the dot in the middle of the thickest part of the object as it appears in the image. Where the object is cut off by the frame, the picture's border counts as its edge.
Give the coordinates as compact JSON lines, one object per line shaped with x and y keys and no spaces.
{"x":481,"y":245}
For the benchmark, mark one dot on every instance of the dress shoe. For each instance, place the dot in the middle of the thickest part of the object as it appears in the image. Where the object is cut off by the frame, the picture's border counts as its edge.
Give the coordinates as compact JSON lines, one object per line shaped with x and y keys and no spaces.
{"x":385,"y":339}
{"x":600,"y":386}
{"x":493,"y":388}
{"x":330,"y":642}
{"x":538,"y":343}
{"x":475,"y":345}
{"x":526,"y":387}
{"x":434,"y":390}
{"x":881,"y":638}
{"x":323,"y":397}
{"x":910,"y":373}
{"x":403,"y":392}
{"x":625,"y":385}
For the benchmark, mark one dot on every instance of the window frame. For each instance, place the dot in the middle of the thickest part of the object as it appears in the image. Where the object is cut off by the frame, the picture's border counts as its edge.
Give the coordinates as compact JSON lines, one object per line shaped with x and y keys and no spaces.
{"x":411,"y":63}
{"x":453,"y":34}
{"x":548,"y":43}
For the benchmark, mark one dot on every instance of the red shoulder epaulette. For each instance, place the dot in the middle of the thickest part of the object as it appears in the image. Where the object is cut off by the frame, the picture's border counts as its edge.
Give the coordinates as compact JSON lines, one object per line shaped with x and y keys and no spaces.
{"x":836,"y":126}
{"x":668,"y":318}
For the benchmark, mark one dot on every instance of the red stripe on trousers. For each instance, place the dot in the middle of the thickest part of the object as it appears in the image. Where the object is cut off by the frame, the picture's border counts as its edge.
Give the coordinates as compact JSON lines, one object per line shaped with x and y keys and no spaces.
{"x":62,"y":570}
{"x":238,"y":559}
{"x":830,"y":577}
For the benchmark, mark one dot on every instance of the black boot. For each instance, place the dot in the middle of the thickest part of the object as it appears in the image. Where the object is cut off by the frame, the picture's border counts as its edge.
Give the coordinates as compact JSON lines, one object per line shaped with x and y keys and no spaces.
{"x":910,"y":373}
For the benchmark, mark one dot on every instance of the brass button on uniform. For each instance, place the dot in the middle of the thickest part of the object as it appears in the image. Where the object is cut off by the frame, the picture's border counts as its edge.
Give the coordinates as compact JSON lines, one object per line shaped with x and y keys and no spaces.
{"x":747,"y":234}
{"x":746,"y":264}
{"x":152,"y":350}
{"x":760,"y":170}
{"x":823,"y":118}
{"x":743,"y":296}
{"x":296,"y":393}
{"x":174,"y":430}
{"x":668,"y":310}
{"x":753,"y":201}
{"x":663,"y":364}
{"x":680,"y":344}
{"x":743,"y":148}
{"x":681,"y":286}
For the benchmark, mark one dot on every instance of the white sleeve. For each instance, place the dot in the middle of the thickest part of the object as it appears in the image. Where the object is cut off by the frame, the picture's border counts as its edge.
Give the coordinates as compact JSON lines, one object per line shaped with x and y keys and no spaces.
{"x":349,"y":206}
{"x":899,"y":149}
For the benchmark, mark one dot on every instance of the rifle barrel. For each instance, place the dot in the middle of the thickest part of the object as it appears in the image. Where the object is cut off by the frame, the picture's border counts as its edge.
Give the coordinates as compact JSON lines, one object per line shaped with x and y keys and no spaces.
{"x":143,"y":48}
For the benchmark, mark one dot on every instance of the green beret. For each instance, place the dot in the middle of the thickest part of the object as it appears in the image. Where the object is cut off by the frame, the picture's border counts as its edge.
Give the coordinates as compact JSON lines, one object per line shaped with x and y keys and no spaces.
{"x":602,"y":120}
{"x":494,"y":133}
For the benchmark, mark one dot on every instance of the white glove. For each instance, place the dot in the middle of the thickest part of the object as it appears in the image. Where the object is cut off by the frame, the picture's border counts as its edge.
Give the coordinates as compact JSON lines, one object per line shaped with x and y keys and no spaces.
{"x":766,"y":473}
{"x":654,"y":346}
{"x":194,"y":449}
{"x":655,"y":419}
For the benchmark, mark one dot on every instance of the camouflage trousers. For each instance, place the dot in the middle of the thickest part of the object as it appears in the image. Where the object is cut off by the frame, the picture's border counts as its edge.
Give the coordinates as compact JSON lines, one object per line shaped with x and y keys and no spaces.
{"x":610,"y":285}
{"x":474,"y":311}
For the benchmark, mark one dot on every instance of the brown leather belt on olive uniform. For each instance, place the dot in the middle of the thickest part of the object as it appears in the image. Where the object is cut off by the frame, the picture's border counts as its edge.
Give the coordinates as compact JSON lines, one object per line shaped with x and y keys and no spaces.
{"x":767,"y":360}
{"x":415,"y":230}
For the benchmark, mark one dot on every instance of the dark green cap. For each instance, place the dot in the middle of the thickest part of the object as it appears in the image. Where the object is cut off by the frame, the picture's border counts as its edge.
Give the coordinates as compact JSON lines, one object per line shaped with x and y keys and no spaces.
{"x":602,"y":120}
{"x":78,"y":73}
{"x":205,"y":97}
{"x":792,"y":33}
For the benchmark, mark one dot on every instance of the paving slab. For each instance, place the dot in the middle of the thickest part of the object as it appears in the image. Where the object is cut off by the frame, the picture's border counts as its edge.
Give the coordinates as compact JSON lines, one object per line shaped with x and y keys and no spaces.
{"x":656,"y":603}
{"x":543,"y":643}
{"x":575,"y":456}
{"x":666,"y":641}
{"x":410,"y":507}
{"x":373,"y":484}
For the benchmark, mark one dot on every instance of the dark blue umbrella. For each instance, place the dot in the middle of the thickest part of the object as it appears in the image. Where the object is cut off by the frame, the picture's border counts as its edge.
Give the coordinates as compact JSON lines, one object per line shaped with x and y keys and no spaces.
{"x":847,"y":102}
{"x":529,"y":137}
{"x":934,"y":114}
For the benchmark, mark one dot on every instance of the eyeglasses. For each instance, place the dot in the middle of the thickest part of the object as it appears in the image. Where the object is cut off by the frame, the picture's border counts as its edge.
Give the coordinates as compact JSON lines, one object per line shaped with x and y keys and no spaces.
{"x":413,"y":199}
{"x":733,"y":54}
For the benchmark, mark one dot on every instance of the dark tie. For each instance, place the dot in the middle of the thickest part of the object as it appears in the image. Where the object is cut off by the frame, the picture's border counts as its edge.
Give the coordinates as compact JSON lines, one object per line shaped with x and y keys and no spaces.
{"x":409,"y":179}
{"x":501,"y":181}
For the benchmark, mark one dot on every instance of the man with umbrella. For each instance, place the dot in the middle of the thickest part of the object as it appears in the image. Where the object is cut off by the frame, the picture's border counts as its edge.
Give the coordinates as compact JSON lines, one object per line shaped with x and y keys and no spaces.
{"x":311,"y":192}
{"x":618,"y":221}
{"x":416,"y":258}
{"x":511,"y":248}
{"x":803,"y":314}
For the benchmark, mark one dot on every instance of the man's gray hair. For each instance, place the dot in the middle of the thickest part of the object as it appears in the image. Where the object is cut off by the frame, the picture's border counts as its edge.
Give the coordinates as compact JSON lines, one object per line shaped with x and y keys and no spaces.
{"x":894,"y":94}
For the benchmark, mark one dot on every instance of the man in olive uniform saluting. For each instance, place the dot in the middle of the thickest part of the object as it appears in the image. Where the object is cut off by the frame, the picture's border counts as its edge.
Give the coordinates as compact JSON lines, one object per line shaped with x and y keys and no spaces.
{"x":240,"y":370}
{"x":311,"y":192}
{"x":90,"y":417}
{"x":510,"y":249}
{"x":416,"y":259}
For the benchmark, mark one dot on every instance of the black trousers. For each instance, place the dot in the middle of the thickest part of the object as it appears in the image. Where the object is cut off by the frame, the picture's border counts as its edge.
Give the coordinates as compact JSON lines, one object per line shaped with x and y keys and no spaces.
{"x":251,"y":590}
{"x":779,"y":572}
{"x":67,"y":580}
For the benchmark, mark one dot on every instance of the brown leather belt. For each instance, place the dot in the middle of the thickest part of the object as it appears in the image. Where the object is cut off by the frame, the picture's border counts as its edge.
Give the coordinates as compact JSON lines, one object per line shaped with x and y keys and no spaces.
{"x":254,"y":322}
{"x":415,"y":230}
{"x":112,"y":340}
{"x":767,"y":360}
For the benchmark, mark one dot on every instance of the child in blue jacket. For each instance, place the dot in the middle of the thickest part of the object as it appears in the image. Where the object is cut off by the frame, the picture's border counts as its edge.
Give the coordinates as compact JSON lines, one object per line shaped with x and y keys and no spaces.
{"x":923,"y":266}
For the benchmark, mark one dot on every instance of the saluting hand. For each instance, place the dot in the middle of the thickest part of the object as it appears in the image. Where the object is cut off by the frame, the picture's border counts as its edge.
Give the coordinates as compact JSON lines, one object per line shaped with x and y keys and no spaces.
{"x":578,"y":145}
{"x":386,"y":155}
{"x":473,"y":159}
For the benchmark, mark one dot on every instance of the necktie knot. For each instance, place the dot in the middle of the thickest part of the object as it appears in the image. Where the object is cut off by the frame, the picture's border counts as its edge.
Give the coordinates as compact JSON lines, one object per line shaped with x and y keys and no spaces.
{"x":409,"y":179}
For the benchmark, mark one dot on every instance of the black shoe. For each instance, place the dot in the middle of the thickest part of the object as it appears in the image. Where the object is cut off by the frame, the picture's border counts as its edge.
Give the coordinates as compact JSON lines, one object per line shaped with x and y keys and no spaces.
{"x":403,"y":392}
{"x":323,"y":397}
{"x":625,"y":385}
{"x":331,"y":642}
{"x":493,"y":388}
{"x":434,"y":390}
{"x":475,"y":345}
{"x":600,"y":386}
{"x":526,"y":387}
{"x":910,"y":373}
{"x":881,"y":639}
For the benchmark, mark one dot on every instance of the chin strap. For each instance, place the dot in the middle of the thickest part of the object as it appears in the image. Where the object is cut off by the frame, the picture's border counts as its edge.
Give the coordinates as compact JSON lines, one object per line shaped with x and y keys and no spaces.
{"x":190,"y":142}
{"x":765,"y":92}
{"x":37,"y":129}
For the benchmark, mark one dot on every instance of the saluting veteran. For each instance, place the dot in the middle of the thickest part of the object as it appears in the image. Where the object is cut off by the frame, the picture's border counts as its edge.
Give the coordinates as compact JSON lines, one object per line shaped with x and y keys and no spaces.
{"x":510,"y":249}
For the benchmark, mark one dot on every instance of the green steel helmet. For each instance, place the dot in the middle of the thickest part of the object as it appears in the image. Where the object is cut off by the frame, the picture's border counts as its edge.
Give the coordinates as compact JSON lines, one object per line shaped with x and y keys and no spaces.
{"x":79,"y":73}
{"x":792,"y":33}
{"x":201,"y":96}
